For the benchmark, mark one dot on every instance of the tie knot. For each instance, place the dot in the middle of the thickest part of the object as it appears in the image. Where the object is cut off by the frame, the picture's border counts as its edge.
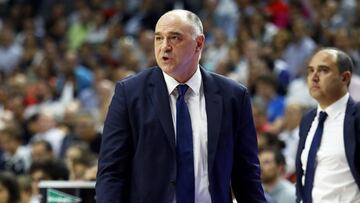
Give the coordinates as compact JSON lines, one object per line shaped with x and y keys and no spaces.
{"x":182,"y":88}
{"x":322,"y":116}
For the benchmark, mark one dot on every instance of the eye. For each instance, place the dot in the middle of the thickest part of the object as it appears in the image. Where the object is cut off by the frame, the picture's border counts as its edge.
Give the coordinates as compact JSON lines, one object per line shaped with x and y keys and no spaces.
{"x":310,"y":70}
{"x":323,"y":70}
{"x":174,"y":39}
{"x":158,"y":38}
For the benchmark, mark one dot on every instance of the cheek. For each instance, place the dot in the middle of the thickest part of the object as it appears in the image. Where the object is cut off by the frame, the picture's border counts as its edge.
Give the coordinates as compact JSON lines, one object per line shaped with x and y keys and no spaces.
{"x":332,"y":83}
{"x":308,"y":80}
{"x":183,"y":55}
{"x":156,"y":51}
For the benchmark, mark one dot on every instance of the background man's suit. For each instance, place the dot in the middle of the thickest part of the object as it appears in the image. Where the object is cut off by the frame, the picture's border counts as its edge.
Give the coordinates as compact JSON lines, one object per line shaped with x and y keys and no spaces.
{"x":351,"y":141}
{"x":140,"y":142}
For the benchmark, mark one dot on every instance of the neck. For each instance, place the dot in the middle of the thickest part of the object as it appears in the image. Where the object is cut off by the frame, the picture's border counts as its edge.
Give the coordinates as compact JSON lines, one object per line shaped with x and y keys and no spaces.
{"x":325,"y":104}
{"x":270,"y":186}
{"x":185,"y":76}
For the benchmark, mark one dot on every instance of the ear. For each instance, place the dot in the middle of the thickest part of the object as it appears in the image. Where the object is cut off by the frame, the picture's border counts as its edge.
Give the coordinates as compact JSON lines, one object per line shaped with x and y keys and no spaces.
{"x":197,"y":48}
{"x":346,"y":77}
{"x":200,"y":42}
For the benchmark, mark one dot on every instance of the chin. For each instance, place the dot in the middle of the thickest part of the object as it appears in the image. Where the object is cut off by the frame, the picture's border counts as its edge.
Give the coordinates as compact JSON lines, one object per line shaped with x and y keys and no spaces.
{"x":169,"y":68}
{"x":267,"y":180}
{"x":166,"y":68}
{"x":315,"y":94}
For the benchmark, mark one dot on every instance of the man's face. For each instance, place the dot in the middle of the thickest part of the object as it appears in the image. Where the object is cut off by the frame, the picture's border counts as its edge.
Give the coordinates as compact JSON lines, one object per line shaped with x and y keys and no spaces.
{"x":39,"y":152}
{"x":36,"y":177}
{"x":175,"y":45}
{"x":325,"y":82}
{"x":269,"y":169}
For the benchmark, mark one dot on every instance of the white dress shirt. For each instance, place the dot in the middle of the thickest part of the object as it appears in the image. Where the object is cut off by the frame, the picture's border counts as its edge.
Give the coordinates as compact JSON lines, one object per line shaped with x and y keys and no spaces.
{"x":333,"y":181}
{"x":195,"y":100}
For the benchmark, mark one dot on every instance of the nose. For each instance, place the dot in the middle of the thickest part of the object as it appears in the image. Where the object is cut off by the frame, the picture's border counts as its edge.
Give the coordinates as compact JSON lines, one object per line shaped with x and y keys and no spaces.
{"x":315,"y":76}
{"x":166,"y":46}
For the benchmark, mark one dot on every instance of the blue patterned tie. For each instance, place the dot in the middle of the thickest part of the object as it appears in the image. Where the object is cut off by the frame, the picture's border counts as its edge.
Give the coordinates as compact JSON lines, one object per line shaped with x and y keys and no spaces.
{"x":311,"y":162}
{"x":185,"y":184}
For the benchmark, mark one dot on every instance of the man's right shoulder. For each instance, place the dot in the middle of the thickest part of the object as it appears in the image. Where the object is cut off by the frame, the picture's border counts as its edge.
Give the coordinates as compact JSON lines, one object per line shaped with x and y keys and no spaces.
{"x":139,"y":77}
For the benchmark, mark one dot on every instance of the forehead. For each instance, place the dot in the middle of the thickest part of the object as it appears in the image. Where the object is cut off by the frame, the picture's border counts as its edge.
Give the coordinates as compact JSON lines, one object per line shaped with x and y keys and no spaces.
{"x":324,"y":57}
{"x":172,"y":23}
{"x":267,"y":155}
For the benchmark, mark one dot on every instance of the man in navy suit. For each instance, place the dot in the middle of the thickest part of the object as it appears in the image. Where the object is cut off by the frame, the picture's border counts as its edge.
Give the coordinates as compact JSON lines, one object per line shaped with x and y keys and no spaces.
{"x":139,"y":159}
{"x":328,"y":156}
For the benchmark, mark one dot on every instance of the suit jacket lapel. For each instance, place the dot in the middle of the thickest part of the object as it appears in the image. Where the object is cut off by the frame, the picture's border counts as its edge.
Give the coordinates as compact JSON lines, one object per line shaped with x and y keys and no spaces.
{"x":159,"y":97}
{"x":214,"y":103}
{"x":350,"y":139}
{"x":303,"y":132}
{"x":304,"y":129}
{"x":349,"y":135}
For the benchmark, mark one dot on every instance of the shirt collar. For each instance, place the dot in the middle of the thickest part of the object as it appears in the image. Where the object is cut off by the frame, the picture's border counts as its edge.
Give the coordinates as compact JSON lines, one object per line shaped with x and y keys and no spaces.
{"x":194,"y":82}
{"x":337,"y":107}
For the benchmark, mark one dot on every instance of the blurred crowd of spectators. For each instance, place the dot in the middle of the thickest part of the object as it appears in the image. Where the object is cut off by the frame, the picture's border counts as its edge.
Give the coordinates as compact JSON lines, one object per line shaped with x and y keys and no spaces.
{"x":60,"y":60}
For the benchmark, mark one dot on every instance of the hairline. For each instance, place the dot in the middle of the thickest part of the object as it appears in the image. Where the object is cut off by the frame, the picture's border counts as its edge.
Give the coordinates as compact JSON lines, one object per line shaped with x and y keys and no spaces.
{"x":192,"y":18}
{"x":339,"y":57}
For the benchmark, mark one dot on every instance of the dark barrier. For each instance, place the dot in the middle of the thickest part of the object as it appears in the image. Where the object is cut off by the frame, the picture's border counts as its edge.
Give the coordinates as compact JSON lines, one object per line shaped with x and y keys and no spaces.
{"x":67,"y":191}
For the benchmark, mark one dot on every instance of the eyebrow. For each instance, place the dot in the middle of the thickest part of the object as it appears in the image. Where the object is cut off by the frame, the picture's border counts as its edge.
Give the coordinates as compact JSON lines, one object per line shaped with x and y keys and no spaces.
{"x":324,"y":66}
{"x":170,"y":33}
{"x":319,"y":66}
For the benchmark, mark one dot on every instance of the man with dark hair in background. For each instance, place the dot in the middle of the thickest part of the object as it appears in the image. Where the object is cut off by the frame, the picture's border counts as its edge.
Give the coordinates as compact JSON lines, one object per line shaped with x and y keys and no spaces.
{"x":273,"y":163}
{"x":328,"y":159}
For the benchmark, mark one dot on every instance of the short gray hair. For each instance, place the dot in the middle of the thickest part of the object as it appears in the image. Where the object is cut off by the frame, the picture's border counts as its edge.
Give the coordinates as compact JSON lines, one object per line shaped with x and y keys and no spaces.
{"x":195,"y":20}
{"x":192,"y":18}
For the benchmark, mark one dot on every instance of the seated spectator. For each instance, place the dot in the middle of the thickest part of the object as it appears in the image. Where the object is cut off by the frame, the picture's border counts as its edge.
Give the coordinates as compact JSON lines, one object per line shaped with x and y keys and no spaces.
{"x":24,"y":188}
{"x":266,"y":93}
{"x":41,"y":150}
{"x":272,"y":164}
{"x":290,"y":136}
{"x":74,"y":77}
{"x":81,"y":162}
{"x":50,"y":169}
{"x":86,"y":131}
{"x":15,"y":157}
{"x":44,"y":127}
{"x":10,"y":51}
{"x":262,"y":125}
{"x":9,"y":189}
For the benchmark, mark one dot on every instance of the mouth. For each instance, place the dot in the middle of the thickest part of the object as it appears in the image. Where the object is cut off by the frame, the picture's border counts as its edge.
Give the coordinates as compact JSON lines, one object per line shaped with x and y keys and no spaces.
{"x":315,"y":87}
{"x":165,"y":59}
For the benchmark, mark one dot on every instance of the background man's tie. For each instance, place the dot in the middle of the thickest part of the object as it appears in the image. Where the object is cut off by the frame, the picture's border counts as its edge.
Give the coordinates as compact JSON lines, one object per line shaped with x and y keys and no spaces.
{"x":311,"y":162}
{"x":185,"y":184}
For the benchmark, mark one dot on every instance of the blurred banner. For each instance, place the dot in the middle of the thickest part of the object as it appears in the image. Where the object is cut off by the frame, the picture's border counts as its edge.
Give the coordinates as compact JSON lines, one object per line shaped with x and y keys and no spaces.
{"x":67,"y":191}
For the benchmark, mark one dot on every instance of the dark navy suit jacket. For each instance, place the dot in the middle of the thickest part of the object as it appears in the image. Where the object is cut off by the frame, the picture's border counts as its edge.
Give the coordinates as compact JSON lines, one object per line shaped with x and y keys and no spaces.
{"x":137,"y":158}
{"x":351,"y":142}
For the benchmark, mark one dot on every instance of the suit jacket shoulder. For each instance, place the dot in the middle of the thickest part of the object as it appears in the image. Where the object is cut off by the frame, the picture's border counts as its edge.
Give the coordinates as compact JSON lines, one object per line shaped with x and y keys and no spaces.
{"x":306,"y":121}
{"x":225,"y":84}
{"x":139,"y":78}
